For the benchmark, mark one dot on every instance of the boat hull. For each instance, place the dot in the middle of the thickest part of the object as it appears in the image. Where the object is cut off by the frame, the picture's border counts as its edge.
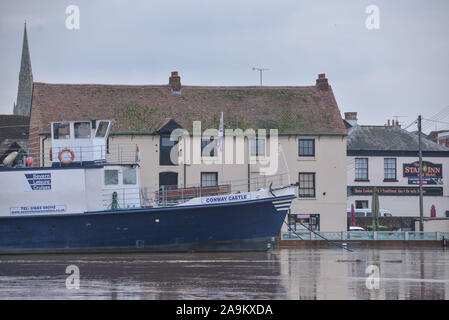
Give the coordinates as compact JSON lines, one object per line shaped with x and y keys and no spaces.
{"x":239,"y":226}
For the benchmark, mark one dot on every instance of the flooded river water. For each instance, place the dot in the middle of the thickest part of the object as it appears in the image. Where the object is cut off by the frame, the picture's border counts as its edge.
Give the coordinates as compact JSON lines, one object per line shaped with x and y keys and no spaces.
{"x":278,"y":274}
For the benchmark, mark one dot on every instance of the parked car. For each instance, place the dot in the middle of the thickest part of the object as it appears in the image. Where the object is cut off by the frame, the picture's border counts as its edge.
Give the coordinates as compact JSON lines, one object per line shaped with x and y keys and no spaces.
{"x":357,"y":233}
{"x":367,"y":213}
{"x":356,"y":229}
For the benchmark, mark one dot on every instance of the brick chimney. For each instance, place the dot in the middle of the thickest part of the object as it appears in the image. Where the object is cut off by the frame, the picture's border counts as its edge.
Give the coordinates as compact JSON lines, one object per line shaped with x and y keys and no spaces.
{"x":175,"y":82}
{"x":322,"y":82}
{"x":351,"y":118}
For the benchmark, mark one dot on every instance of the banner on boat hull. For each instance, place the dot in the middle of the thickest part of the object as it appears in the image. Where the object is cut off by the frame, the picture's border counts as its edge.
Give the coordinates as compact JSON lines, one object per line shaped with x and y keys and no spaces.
{"x":38,"y":209}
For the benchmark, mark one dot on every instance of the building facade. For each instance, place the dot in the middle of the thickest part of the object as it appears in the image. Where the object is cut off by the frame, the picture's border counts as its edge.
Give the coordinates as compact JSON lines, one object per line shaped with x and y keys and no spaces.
{"x":310,"y":131}
{"x":386,"y":158}
{"x":443,"y":138}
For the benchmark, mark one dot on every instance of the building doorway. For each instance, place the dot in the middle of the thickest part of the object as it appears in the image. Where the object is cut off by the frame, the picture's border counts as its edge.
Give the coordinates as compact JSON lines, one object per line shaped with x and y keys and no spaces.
{"x":168,"y":180}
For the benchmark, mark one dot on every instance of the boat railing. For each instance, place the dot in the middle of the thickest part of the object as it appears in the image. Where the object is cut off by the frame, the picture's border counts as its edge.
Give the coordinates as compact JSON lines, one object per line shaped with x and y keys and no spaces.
{"x":169,"y":195}
{"x":121,"y":198}
{"x":123,"y":154}
{"x":58,"y":156}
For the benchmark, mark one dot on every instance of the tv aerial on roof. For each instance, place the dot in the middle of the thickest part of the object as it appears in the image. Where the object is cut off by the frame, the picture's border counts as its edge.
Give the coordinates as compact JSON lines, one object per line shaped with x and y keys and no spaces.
{"x":397,"y":120}
{"x":261,"y":70}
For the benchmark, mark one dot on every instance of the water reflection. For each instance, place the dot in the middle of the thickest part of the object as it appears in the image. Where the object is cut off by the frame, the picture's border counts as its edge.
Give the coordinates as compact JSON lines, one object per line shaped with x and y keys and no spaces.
{"x":284,"y":274}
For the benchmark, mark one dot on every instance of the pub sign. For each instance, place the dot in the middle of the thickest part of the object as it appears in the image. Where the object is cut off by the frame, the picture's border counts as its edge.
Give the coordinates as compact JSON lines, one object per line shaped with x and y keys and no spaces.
{"x":432,"y":173}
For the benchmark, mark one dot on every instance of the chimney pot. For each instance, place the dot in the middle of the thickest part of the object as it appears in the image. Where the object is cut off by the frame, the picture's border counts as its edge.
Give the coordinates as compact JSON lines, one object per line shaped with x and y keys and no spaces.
{"x":388,"y":122}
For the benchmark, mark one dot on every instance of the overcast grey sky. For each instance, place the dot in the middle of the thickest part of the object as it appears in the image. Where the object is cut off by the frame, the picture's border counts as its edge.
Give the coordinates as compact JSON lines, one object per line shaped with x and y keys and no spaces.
{"x":399,"y":70}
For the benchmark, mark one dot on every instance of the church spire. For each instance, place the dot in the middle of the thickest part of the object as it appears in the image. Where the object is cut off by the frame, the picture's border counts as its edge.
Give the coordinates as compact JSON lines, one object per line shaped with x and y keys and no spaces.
{"x":25,"y":90}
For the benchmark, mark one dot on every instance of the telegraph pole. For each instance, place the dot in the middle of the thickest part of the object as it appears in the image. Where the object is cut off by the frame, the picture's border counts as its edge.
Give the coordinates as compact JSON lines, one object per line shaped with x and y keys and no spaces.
{"x":421,"y":210}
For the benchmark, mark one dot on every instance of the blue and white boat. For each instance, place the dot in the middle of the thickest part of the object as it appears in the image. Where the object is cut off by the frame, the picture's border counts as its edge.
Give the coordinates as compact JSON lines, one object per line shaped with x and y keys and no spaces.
{"x":89,"y":200}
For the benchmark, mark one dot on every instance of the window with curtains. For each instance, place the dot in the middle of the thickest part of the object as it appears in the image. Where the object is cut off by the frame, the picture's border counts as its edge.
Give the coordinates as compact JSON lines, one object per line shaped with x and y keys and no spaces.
{"x":307,"y":185}
{"x":361,"y":169}
{"x":390,"y":169}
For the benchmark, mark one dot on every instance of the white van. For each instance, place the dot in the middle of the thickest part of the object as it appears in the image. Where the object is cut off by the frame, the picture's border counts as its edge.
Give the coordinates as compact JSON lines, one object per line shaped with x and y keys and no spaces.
{"x":367,"y":213}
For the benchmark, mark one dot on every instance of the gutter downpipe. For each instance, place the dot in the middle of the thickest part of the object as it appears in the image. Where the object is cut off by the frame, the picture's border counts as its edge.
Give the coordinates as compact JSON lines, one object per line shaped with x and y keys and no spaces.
{"x":285,"y":163}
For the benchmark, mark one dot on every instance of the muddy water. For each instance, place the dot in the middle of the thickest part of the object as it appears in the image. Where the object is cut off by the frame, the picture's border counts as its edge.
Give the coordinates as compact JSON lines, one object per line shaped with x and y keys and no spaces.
{"x":284,"y":274}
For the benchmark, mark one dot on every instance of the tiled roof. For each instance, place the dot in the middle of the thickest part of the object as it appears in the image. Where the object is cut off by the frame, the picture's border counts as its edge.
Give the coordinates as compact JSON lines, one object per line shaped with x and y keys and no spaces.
{"x":144,"y":109}
{"x":14,"y":127}
{"x":387,"y":138}
{"x":433,"y":135}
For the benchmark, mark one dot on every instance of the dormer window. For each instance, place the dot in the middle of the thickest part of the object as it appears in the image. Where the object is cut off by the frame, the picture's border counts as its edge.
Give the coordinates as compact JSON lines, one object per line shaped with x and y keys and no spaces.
{"x":61,"y":131}
{"x":167,"y":145}
{"x":82,"y":130}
